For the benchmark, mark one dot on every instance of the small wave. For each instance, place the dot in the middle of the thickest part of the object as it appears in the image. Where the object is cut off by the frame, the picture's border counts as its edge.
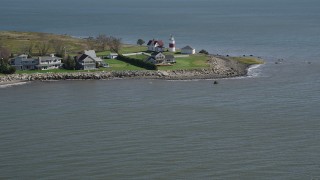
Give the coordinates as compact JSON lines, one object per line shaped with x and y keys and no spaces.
{"x":12,"y":84}
{"x":254,"y":70}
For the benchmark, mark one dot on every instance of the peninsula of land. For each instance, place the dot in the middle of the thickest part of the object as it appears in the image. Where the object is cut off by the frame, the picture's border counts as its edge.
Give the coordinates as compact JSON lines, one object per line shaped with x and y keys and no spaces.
{"x":185,"y":67}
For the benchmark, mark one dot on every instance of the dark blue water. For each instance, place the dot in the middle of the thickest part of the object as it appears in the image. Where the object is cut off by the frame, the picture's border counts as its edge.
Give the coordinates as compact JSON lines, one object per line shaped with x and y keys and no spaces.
{"x":281,"y":28}
{"x":261,"y":127}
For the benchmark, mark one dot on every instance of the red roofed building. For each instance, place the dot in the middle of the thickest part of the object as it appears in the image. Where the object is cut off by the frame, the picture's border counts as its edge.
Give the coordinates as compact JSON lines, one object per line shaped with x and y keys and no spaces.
{"x":155,"y":45}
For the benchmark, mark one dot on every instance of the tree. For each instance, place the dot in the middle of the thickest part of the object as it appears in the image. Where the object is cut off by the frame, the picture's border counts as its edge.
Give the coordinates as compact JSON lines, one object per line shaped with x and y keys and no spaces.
{"x":4,"y":53}
{"x":69,"y":63}
{"x":5,"y":68}
{"x":43,"y":47}
{"x":114,"y":44}
{"x":27,"y":49}
{"x":58,"y":46}
{"x":102,"y":41}
{"x":140,"y":42}
{"x":204,"y":52}
{"x":98,"y":65}
{"x":90,"y":42}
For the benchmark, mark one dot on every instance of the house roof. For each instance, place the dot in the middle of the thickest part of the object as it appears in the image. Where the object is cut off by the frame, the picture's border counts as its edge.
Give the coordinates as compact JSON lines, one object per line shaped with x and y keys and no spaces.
{"x":23,"y":56}
{"x":91,"y":53}
{"x":49,"y":58}
{"x":27,"y":59}
{"x":154,"y":42}
{"x":188,"y":47}
{"x":156,"y":53}
{"x":83,"y":57}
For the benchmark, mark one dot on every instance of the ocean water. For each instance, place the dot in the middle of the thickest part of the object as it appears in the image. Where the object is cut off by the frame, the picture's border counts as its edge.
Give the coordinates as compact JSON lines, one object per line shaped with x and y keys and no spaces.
{"x":264,"y":126}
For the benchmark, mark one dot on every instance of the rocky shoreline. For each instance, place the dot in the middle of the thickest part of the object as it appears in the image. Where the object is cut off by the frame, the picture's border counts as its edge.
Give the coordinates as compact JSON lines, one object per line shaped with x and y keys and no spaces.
{"x":220,"y":67}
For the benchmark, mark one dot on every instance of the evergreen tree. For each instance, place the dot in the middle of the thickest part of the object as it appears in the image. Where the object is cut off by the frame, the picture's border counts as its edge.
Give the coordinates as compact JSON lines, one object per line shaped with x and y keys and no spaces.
{"x":6,"y":68}
{"x":69,"y":63}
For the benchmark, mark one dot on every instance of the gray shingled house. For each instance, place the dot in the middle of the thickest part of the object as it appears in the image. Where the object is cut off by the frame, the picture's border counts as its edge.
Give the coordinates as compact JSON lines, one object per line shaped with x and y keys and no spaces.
{"x":159,"y":58}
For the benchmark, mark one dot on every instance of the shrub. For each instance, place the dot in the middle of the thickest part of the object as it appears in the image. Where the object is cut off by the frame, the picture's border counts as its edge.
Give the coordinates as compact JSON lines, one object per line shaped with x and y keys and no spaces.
{"x":137,"y":62}
{"x":140,"y":42}
{"x":204,"y":52}
{"x":5,"y":68}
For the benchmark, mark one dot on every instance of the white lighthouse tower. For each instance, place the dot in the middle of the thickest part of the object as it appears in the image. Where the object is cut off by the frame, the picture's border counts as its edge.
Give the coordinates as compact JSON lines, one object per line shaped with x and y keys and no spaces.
{"x":172,"y":44}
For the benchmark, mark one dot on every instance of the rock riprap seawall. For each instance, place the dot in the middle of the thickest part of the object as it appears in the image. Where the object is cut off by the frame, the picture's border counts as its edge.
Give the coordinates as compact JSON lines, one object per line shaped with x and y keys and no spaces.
{"x":219,"y":68}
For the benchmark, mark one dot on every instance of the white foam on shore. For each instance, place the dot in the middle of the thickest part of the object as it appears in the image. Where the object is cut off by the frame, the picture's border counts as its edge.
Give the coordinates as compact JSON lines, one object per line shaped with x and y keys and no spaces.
{"x":254,"y":71}
{"x":12,"y":84}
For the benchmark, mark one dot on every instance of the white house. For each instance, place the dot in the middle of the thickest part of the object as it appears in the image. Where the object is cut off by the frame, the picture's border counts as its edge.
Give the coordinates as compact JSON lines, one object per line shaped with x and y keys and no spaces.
{"x":22,"y":62}
{"x":49,"y":62}
{"x":112,"y":56}
{"x":188,"y":50}
{"x":155,"y":45}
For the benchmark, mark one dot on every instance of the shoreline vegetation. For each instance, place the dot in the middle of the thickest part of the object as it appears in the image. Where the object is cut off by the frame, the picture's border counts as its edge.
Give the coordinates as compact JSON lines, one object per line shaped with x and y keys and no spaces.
{"x":198,"y":66}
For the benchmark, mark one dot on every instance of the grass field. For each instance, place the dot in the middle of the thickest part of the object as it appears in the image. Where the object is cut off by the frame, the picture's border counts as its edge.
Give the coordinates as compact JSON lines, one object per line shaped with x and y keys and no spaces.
{"x":16,"y":41}
{"x":248,"y":60}
{"x":125,"y":49}
{"x":116,"y":65}
{"x":132,"y":49}
{"x":140,"y":56}
{"x":192,"y":62}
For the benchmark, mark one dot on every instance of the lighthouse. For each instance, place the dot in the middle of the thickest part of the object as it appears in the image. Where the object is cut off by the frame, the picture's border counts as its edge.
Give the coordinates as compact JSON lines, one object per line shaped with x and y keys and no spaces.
{"x":172,"y":44}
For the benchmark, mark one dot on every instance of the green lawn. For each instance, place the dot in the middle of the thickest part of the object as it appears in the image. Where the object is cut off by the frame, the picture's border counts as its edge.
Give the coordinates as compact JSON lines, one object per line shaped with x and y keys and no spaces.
{"x":172,"y":53}
{"x":116,"y":65}
{"x":192,"y":62}
{"x":132,"y":49}
{"x":248,"y":60}
{"x":140,"y":56}
{"x":125,"y":49}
